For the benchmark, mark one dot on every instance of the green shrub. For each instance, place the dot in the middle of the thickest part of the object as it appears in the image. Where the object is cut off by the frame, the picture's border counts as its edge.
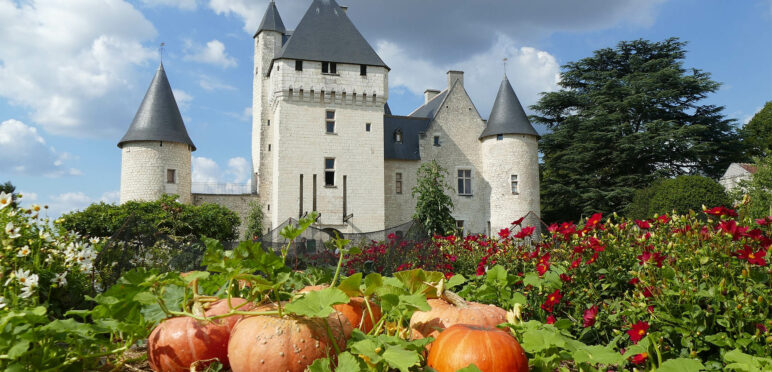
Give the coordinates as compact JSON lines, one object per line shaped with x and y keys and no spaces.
{"x":679,"y":194}
{"x":254,"y":221}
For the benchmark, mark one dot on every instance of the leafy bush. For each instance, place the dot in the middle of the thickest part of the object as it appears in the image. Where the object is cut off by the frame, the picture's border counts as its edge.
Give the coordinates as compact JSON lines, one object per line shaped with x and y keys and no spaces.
{"x":758,"y":190}
{"x":680,"y":194}
{"x":433,"y":205}
{"x":254,"y":221}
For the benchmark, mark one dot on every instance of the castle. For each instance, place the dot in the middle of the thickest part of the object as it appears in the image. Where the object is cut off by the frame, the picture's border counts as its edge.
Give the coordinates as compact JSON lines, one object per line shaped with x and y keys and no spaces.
{"x":324,"y":138}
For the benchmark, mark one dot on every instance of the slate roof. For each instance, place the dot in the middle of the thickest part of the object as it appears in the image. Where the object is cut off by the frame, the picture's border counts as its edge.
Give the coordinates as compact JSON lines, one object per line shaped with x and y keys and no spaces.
{"x":327,"y":34}
{"x":411,"y":128}
{"x":429,"y":109}
{"x":158,"y":117}
{"x":271,"y":20}
{"x":507,"y":115}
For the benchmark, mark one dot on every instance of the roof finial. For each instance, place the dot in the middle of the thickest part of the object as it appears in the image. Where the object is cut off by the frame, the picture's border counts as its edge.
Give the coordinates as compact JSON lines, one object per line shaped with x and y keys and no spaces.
{"x":161,"y":52}
{"x":504,"y":62}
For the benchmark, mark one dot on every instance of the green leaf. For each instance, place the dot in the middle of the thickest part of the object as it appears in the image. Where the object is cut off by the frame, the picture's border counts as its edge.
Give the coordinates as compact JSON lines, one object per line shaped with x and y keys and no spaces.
{"x":532,"y":279}
{"x":367,"y":347}
{"x":145,"y":298}
{"x":496,"y":276}
{"x":597,"y":355}
{"x":320,"y":365}
{"x":18,"y":349}
{"x":193,"y":275}
{"x":415,"y":301}
{"x":470,"y":368}
{"x":317,"y":304}
{"x":400,"y":358}
{"x":373,"y":282}
{"x":350,"y":286}
{"x":681,"y":365}
{"x":455,"y":280}
{"x":347,"y":363}
{"x":415,"y":280}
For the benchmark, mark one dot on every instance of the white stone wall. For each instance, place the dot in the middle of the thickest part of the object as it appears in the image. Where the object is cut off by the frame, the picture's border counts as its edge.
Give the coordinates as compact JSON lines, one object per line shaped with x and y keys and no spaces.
{"x":238,"y":203}
{"x":143,"y":170}
{"x":733,"y":175}
{"x":400,"y":207}
{"x":514,"y":154}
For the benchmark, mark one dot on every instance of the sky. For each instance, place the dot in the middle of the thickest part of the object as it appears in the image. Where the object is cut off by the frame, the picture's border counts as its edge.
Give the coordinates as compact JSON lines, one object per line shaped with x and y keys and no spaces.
{"x":73,"y":72}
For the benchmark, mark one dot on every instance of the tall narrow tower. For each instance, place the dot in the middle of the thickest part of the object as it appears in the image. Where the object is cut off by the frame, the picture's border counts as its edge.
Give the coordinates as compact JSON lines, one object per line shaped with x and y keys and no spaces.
{"x":155,"y":152}
{"x":511,"y":162}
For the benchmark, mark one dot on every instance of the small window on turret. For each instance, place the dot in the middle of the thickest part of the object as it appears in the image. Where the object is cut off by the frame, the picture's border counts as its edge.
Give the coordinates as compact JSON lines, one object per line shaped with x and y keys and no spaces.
{"x":298,"y":65}
{"x":513,"y":180}
{"x":171,"y":176}
{"x":499,"y":137}
{"x":329,"y":68}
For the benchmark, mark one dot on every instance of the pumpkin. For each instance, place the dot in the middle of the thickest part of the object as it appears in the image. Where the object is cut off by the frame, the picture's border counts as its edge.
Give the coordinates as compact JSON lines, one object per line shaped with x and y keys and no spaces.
{"x":355,"y":310}
{"x":288,"y":343}
{"x":450,"y":310}
{"x":177,"y":343}
{"x":489,"y":348}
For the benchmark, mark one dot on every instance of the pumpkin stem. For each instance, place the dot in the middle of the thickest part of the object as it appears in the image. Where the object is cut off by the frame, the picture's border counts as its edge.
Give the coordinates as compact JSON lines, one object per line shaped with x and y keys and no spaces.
{"x":453,"y":299}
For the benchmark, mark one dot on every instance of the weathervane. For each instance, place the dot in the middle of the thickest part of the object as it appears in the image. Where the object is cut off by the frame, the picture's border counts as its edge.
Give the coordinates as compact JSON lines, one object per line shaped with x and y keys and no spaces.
{"x":504,"y":62}
{"x":161,"y":51}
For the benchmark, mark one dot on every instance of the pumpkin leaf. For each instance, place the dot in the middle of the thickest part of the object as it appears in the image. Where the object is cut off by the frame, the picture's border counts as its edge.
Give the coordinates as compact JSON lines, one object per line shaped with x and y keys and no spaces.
{"x":415,"y":280}
{"x":455,"y":281}
{"x":317,"y":304}
{"x":597,"y":355}
{"x":681,"y":365}
{"x":400,"y":358}
{"x":320,"y":365}
{"x":351,"y":285}
{"x":470,"y":368}
{"x":347,"y":362}
{"x":367,"y":348}
{"x":373,"y":282}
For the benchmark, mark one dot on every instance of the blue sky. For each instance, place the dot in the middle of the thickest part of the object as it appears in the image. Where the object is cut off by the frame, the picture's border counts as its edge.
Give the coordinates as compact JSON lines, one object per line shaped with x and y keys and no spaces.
{"x":72,"y":73}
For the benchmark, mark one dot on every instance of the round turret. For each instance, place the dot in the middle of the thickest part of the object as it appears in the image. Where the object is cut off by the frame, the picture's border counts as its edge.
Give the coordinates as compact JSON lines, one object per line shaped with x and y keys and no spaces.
{"x":156,"y":150}
{"x":510,"y":156}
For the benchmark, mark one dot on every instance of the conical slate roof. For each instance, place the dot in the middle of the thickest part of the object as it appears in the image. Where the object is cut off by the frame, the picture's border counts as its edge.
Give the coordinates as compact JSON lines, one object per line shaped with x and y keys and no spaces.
{"x":507,"y":115}
{"x":326,"y":34}
{"x":271,"y":20}
{"x":158,"y":117}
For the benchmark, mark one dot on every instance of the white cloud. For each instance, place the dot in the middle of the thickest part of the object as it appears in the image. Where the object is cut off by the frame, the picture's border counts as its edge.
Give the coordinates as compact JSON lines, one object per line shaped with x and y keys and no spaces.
{"x":28,"y":197}
{"x":210,"y":84}
{"x":208,"y":177}
{"x":181,"y":4}
{"x":205,"y":170}
{"x":212,"y":53}
{"x":72,"y":63}
{"x":530,"y":71}
{"x":183,"y":98}
{"x":24,"y":151}
{"x":251,"y":12}
{"x":247,"y":113}
{"x":111,"y":197}
{"x":67,"y":202}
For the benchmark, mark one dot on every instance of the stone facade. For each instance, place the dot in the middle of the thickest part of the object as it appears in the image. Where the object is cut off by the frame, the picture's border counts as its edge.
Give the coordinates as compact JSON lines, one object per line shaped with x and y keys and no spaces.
{"x":144,"y":167}
{"x":238,"y":203}
{"x":735,"y":173}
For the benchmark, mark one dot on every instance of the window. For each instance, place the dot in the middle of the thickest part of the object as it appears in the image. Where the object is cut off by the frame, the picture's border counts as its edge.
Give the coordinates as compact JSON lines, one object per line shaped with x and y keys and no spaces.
{"x":329,"y":68}
{"x":460,"y":226}
{"x":513,"y":179}
{"x":269,"y":123}
{"x":398,"y":186}
{"x":298,"y":65}
{"x":398,"y":136}
{"x":171,"y":176}
{"x":499,"y":137}
{"x":330,"y":121}
{"x":367,"y":127}
{"x":363,"y":70}
{"x":269,"y":147}
{"x":465,"y":182}
{"x":329,"y":172}
{"x":436,"y":140}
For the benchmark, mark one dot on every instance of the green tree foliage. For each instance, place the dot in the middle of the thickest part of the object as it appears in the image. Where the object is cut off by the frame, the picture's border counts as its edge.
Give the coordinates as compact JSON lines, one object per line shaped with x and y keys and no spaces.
{"x":623,"y":118}
{"x":254,"y":221}
{"x":758,"y":189}
{"x":165,"y":215}
{"x":757,"y":134}
{"x":434,"y":206}
{"x":679,"y":194}
{"x":9,"y":188}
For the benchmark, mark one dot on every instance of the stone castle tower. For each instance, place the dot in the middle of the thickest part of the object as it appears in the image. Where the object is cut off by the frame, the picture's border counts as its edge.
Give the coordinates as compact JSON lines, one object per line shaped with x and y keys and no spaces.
{"x":155,"y":151}
{"x":318,"y":106}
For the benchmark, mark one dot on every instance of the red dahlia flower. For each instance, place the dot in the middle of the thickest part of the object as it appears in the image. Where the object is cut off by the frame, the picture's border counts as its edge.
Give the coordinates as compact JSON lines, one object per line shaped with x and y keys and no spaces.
{"x":721,"y":211}
{"x":518,"y":221}
{"x":638,"y":331}
{"x":525,"y":231}
{"x":504,"y":233}
{"x":663,"y":218}
{"x":552,"y":300}
{"x":643,"y":224}
{"x":541,"y":268}
{"x":550,"y":319}
{"x":764,"y":221}
{"x":589,"y":316}
{"x":755,"y":258}
{"x":640,"y":358}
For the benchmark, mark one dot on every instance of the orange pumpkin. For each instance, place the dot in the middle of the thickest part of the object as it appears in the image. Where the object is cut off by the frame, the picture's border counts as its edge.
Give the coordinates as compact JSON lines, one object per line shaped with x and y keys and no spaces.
{"x":177,"y":343}
{"x":355,"y":310}
{"x":271,"y":343}
{"x":490,"y":349}
{"x":453,"y":310}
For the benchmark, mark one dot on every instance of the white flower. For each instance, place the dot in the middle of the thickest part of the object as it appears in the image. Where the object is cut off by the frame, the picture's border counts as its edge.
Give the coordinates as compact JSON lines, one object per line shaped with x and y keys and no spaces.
{"x":44,"y":235}
{"x":12,"y":231}
{"x":61,"y":279}
{"x":94,"y":240}
{"x":5,"y":199}
{"x":26,"y":278}
{"x":2,"y":302}
{"x":24,"y":251}
{"x":26,"y":292}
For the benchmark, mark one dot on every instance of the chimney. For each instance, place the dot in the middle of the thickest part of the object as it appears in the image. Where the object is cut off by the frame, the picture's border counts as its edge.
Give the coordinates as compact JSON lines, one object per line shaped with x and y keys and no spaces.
{"x":345,"y":8}
{"x":455,"y":75}
{"x":429,"y":94}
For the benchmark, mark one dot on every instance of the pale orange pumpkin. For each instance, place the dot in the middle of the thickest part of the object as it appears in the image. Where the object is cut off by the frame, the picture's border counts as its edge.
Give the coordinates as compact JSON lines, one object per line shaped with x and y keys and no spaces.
{"x":355,"y":310}
{"x":450,"y":310}
{"x":490,"y":349}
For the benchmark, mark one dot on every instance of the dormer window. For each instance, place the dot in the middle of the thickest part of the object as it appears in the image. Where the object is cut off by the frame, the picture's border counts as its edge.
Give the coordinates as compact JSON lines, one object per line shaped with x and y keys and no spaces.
{"x":363,"y":70}
{"x":329,"y":68}
{"x":398,"y":136}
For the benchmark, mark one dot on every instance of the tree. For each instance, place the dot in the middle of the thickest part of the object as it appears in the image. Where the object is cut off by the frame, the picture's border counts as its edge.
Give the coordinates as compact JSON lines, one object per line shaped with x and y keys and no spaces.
{"x":9,"y":188}
{"x":623,"y":118}
{"x":757,"y":134}
{"x":254,"y":221}
{"x":434,"y":206}
{"x":758,"y":189}
{"x":680,"y":194}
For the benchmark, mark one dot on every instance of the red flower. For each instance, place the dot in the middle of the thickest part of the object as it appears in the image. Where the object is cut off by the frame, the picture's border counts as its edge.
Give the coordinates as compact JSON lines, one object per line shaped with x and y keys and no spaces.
{"x":643,"y":224}
{"x":593,"y":221}
{"x":541,"y":269}
{"x":565,"y":278}
{"x":552,"y":300}
{"x":761,"y":328}
{"x":480,"y":269}
{"x":589,"y":316}
{"x":576,"y":263}
{"x":649,"y":257}
{"x":525,"y":231}
{"x":647,"y":292}
{"x":755,"y":258}
{"x":721,"y":211}
{"x":638,"y":331}
{"x":518,"y":221}
{"x":504,"y":233}
{"x":553,"y":228}
{"x":764,"y":221}
{"x":663,"y":218}
{"x":634,"y":281}
{"x":592,"y":259}
{"x":550,"y":319}
{"x":640,"y":358}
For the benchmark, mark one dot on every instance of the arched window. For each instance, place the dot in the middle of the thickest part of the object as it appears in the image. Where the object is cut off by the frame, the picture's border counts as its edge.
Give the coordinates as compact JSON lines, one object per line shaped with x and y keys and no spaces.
{"x":398,"y":136}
